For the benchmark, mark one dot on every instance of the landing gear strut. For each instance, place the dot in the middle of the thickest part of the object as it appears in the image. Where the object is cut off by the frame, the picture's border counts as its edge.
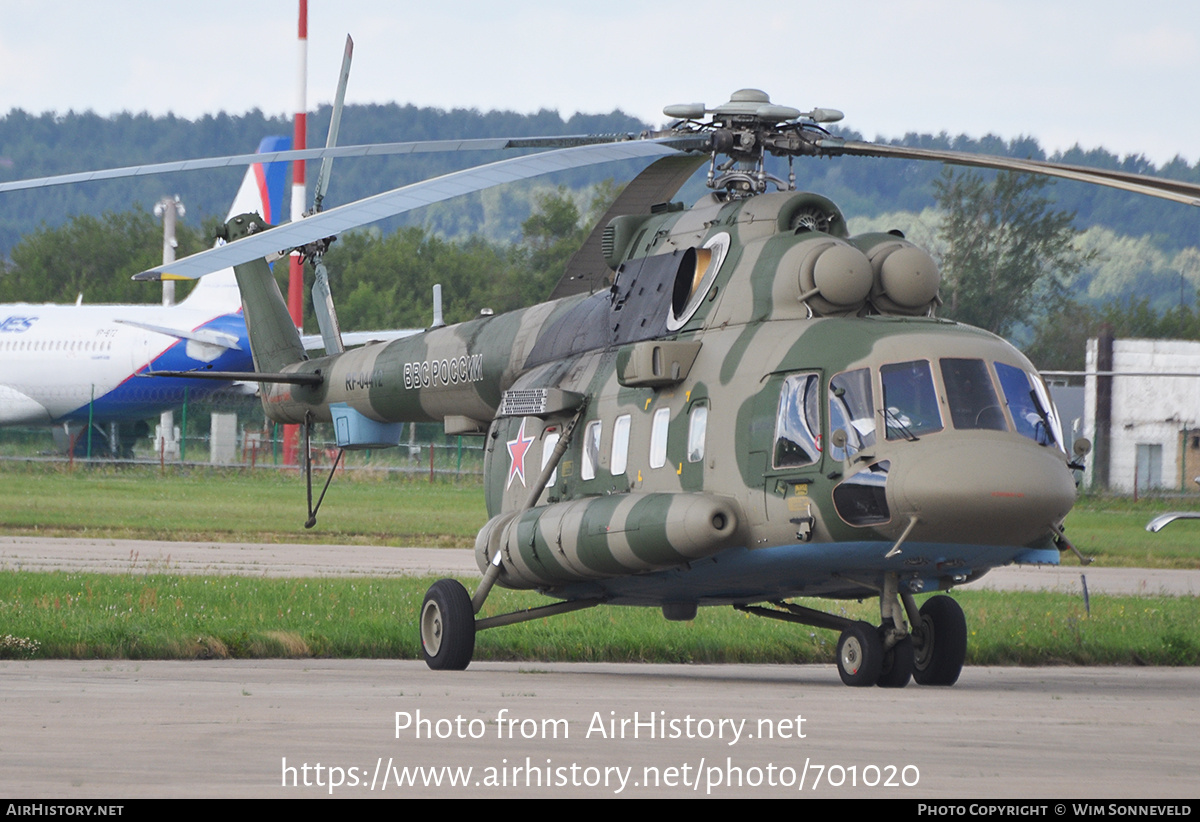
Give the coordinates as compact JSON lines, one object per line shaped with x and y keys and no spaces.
{"x":890,"y":655}
{"x":897,"y":642}
{"x":448,"y":623}
{"x":897,"y":666}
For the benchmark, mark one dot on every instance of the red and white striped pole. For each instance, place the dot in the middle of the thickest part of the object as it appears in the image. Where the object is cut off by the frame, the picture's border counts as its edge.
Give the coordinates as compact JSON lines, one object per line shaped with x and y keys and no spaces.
{"x":299,"y":203}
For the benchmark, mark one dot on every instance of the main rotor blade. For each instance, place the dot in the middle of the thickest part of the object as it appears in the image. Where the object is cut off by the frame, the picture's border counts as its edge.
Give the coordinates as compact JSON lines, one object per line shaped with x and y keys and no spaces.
{"x":366,"y":150}
{"x":335,"y":123}
{"x":410,"y":197}
{"x":1180,"y":192}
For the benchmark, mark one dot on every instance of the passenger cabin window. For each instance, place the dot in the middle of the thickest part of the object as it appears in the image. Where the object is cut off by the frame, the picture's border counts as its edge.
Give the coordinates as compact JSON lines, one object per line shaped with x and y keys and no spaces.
{"x":910,"y":404}
{"x":548,"y":445}
{"x":591,"y":450}
{"x":658,"y":437}
{"x":972,"y":399}
{"x":798,"y":422}
{"x":620,"y":445}
{"x":697,"y":426}
{"x":852,"y":409}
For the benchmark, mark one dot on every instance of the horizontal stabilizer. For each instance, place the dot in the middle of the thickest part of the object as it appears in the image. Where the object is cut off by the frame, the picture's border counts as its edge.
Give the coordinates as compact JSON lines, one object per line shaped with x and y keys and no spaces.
{"x":236,"y":376}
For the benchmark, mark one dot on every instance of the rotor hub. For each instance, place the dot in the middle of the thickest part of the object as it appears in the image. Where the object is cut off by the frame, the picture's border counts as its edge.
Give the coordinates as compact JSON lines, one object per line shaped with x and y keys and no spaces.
{"x":745,"y":129}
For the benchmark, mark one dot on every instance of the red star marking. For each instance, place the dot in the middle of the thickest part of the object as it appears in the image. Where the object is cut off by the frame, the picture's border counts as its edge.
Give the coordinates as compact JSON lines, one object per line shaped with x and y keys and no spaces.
{"x":516,"y":451}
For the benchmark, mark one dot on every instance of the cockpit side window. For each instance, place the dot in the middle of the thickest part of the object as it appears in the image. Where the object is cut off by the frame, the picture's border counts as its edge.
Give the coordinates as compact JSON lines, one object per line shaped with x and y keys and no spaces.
{"x":798,"y":422}
{"x":972,"y":399}
{"x":910,"y":404}
{"x":852,"y":409}
{"x":1031,"y":410}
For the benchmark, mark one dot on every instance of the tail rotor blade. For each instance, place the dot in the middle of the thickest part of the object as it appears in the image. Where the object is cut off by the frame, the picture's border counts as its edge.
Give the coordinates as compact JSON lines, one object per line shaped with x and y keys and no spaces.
{"x":327,"y":321}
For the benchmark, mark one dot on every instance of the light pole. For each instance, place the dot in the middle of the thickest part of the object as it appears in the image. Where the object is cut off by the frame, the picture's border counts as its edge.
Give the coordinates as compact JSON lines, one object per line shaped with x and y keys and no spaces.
{"x":169,"y":209}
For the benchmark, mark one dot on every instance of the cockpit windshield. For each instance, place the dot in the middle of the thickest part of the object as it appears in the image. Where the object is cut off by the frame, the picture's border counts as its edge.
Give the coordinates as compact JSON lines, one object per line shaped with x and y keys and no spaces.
{"x":972,"y":398}
{"x":974,"y":394}
{"x":910,"y":404}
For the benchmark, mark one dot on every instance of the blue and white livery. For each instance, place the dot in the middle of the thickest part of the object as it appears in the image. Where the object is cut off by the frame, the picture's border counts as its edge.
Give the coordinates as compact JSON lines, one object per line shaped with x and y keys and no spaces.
{"x":72,"y":363}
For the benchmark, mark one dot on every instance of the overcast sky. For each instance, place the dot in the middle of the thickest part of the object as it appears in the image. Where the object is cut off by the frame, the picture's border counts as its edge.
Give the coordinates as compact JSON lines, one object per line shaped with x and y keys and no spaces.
{"x":1101,"y":73}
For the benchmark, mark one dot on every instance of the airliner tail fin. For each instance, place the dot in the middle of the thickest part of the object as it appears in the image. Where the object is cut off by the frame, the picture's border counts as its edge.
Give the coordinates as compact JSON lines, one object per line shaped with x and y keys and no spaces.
{"x":261,"y":193}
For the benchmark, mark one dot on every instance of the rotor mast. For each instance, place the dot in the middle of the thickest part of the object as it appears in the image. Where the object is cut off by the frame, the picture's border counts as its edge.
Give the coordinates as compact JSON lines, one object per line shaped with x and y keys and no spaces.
{"x":745,"y":129}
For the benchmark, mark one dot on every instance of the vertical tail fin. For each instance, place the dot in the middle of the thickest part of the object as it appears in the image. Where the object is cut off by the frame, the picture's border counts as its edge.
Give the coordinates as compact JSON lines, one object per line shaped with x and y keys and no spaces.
{"x":274,"y":340}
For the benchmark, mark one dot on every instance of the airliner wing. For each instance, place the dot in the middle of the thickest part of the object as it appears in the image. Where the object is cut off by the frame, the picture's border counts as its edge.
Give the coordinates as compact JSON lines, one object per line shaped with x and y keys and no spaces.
{"x":200,"y":335}
{"x":19,"y":409}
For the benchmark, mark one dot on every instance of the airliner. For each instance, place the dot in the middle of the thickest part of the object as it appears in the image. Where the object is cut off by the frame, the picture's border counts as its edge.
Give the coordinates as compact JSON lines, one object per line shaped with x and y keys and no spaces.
{"x":71,"y":364}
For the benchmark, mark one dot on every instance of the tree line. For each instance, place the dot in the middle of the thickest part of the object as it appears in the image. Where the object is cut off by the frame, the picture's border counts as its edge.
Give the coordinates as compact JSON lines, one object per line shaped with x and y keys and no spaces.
{"x":1008,"y":259}
{"x":41,"y":144}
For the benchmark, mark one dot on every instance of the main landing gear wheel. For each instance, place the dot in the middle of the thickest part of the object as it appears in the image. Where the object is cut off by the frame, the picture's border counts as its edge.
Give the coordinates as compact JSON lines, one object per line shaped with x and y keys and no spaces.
{"x":447,"y":626}
{"x":859,"y":655}
{"x":897,"y":666}
{"x":940,"y":642}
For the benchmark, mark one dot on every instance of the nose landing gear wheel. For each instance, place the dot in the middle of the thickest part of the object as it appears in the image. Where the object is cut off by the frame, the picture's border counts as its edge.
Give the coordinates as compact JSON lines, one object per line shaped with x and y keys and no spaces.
{"x":447,"y":626}
{"x":940,"y":642}
{"x":859,"y":655}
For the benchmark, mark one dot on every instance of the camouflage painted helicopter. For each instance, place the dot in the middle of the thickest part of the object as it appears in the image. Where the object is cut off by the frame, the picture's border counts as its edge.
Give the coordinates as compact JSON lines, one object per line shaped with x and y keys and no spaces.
{"x":736,"y":403}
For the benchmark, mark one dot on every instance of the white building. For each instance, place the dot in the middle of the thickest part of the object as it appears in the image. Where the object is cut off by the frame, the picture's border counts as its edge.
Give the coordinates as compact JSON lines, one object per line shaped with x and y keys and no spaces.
{"x":1154,"y":433}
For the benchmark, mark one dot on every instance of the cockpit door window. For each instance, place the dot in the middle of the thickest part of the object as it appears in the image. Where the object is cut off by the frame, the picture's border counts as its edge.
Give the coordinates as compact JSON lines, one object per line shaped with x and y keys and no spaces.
{"x":798,"y":422}
{"x":852,"y":409}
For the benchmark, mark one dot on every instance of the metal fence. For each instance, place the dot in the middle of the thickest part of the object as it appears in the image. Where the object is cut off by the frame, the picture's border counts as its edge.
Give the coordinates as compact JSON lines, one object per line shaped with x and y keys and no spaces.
{"x":424,"y":448}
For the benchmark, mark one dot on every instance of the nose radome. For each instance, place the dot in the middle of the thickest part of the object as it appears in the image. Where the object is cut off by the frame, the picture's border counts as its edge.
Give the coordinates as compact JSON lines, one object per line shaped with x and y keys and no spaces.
{"x":980,"y":491}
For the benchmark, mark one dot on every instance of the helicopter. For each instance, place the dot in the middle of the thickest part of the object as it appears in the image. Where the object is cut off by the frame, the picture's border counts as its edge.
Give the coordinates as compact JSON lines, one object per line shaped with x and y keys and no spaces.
{"x":735,"y":403}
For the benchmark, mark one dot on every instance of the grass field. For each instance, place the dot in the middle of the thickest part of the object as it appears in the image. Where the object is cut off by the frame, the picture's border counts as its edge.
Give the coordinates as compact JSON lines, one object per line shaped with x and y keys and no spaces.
{"x":233,"y":505}
{"x":66,"y":615}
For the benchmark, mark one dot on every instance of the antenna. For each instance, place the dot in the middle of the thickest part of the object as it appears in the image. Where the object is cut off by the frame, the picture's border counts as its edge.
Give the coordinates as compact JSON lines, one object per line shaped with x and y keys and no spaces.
{"x":438,"y":322}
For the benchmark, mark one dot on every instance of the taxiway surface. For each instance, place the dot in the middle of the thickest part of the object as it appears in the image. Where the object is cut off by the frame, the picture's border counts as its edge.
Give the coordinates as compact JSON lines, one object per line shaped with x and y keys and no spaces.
{"x":355,"y":728}
{"x":287,"y":560}
{"x":288,"y":728}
